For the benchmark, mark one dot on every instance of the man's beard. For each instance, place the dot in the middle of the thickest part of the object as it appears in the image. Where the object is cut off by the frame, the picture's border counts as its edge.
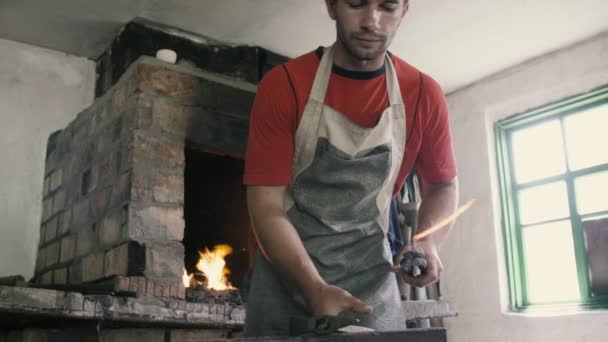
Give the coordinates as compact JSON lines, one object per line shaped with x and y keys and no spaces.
{"x":348,"y":41}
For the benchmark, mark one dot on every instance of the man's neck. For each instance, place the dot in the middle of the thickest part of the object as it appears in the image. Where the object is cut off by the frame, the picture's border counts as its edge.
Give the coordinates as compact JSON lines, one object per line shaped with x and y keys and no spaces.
{"x":346,"y":61}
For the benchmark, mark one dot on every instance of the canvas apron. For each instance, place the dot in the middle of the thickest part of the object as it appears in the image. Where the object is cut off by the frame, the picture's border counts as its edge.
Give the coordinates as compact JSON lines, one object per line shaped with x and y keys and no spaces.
{"x":339,"y":201}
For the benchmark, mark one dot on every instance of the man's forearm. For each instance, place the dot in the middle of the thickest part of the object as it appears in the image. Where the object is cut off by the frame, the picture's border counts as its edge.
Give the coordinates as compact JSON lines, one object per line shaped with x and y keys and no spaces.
{"x":280,"y":242}
{"x":439,"y":202}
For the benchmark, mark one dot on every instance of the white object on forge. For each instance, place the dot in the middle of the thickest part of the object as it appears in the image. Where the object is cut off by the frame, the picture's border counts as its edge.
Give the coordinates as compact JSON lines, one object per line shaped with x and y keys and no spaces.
{"x":167,"y":55}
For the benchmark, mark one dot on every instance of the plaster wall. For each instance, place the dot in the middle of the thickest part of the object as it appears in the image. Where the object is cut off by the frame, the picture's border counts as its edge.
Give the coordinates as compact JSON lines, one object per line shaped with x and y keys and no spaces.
{"x":475,"y":278}
{"x":41,"y":91}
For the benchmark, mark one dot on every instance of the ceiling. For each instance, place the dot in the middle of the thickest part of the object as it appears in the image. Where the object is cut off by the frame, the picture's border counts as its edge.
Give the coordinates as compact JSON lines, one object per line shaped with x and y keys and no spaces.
{"x":455,"y":41}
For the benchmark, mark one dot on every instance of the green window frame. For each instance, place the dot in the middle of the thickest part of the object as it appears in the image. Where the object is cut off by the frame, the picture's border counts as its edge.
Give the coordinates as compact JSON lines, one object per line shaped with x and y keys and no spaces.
{"x":511,"y":193}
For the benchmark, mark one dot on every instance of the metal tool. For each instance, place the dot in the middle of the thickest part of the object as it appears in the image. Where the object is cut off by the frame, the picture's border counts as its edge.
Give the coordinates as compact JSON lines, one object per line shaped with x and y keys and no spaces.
{"x":414,"y":262}
{"x":319,"y":325}
{"x":325,"y":325}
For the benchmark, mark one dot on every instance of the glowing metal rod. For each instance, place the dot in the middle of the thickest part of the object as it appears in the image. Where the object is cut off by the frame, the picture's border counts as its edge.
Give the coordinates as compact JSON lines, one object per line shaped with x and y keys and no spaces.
{"x":443,"y":223}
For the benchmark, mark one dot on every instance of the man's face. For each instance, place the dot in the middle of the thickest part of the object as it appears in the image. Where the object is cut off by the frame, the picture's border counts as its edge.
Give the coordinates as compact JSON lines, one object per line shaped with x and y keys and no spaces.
{"x":366,"y":27}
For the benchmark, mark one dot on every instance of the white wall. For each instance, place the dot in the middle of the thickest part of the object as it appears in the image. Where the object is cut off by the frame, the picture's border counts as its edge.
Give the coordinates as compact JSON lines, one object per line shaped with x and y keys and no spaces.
{"x":41,"y":91}
{"x":474,"y":278}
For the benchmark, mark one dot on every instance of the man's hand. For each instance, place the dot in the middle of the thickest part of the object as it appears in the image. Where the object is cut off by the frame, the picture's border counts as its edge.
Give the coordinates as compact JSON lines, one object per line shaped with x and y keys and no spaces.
{"x":331,"y":300}
{"x":433,"y":264}
{"x":439,"y":201}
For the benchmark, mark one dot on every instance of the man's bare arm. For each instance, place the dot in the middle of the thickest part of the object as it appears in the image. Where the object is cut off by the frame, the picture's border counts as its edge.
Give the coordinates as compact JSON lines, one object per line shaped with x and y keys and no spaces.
{"x":439,"y":202}
{"x":283,"y":248}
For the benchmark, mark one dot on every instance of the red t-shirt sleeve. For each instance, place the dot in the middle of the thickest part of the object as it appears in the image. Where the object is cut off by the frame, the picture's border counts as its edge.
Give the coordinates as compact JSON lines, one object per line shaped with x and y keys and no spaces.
{"x":272,"y":129}
{"x":435,"y":162}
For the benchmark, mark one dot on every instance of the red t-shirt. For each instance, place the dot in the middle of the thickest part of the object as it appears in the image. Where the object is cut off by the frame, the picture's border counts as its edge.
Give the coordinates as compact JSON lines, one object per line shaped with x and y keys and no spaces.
{"x":360,"y":96}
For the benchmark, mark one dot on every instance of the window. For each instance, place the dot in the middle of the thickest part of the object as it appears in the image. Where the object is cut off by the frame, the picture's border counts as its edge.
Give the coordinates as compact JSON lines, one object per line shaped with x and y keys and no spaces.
{"x":553,"y":171}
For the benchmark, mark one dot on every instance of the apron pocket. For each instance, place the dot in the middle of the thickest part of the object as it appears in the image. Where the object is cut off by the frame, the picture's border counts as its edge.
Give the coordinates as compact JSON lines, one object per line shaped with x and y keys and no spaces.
{"x":337,"y":187}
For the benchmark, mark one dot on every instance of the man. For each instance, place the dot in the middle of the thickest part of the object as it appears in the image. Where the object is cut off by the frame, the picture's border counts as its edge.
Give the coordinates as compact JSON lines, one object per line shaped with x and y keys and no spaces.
{"x":333,"y":135}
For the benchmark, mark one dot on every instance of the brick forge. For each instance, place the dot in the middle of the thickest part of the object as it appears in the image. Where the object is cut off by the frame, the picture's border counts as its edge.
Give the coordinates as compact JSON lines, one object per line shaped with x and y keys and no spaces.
{"x":114,"y":205}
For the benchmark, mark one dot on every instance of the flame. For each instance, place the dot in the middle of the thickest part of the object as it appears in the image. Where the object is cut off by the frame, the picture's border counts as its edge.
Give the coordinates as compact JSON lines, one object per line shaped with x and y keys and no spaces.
{"x":187,"y":279}
{"x":213,"y":266}
{"x":443,"y":223}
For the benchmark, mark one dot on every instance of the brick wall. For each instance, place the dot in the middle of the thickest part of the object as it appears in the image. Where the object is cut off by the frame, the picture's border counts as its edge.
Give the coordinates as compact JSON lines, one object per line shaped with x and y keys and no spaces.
{"x":114,"y":180}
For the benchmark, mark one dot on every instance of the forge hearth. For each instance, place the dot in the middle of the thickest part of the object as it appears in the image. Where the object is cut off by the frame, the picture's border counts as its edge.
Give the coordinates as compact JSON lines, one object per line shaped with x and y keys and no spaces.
{"x":215,"y":210}
{"x":114,"y":205}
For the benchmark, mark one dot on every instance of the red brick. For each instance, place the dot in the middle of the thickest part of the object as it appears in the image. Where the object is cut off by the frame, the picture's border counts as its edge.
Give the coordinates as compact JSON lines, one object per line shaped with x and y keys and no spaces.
{"x":47,"y":208}
{"x":143,"y":113}
{"x":40,"y":260}
{"x":89,"y":179}
{"x":108,"y":168}
{"x":121,"y":190}
{"x":89,"y":152}
{"x":56,"y":180}
{"x":65,"y":219}
{"x":85,"y":241}
{"x":173,"y":291}
{"x":81,"y":213}
{"x":148,"y":149}
{"x":124,"y":159}
{"x":170,"y":116}
{"x":130,"y":335}
{"x":99,"y":203}
{"x":51,"y":230}
{"x":169,"y":189}
{"x":75,"y":273}
{"x":74,"y":165}
{"x":45,"y":187}
{"x":117,"y":261}
{"x":110,"y":231}
{"x":181,"y":87}
{"x":156,"y":223}
{"x":67,"y":249}
{"x":132,"y":284}
{"x":150,"y":286}
{"x":59,"y":201}
{"x":52,"y":254}
{"x":140,"y":185}
{"x":47,"y":278}
{"x":121,"y":284}
{"x":74,"y":191}
{"x":158,"y":290}
{"x":190,"y":335}
{"x":104,"y":140}
{"x":141,"y":286}
{"x":60,"y":276}
{"x":181,"y":290}
{"x":165,"y":261}
{"x":92,"y":267}
{"x":42,"y":237}
{"x":120,"y":95}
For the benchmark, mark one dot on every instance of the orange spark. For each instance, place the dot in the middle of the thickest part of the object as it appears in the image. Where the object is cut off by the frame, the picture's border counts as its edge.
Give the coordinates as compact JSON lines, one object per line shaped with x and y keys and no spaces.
{"x":444,"y":223}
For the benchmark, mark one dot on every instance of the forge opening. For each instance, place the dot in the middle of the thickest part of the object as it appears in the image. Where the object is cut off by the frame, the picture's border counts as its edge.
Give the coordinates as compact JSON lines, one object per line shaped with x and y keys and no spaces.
{"x":215,"y":210}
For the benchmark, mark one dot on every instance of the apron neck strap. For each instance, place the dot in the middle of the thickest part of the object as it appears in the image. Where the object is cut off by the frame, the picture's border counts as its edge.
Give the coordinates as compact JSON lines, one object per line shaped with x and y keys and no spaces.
{"x":321,"y":82}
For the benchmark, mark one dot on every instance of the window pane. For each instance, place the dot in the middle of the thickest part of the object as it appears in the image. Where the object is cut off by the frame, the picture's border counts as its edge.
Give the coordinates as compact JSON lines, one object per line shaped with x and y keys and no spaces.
{"x":586,"y":137}
{"x":591,"y":193}
{"x":543,"y":203}
{"x":596,"y":247}
{"x":538,"y":152}
{"x":550,"y":263}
